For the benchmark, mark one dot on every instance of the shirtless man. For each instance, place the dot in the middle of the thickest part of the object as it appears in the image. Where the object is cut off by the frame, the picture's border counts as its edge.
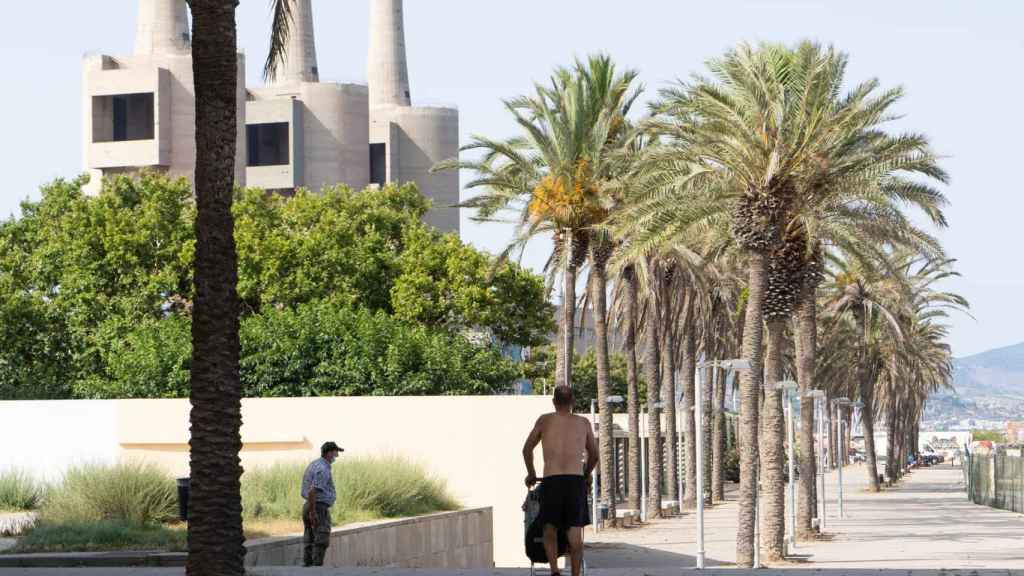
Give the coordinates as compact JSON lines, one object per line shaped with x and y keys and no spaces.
{"x":565,"y":438}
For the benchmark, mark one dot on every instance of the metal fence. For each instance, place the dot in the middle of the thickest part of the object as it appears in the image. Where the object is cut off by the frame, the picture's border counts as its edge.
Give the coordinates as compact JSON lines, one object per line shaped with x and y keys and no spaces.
{"x":995,"y":480}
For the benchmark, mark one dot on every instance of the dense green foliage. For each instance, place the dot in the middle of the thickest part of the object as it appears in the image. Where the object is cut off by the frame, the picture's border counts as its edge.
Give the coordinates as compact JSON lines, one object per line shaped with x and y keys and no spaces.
{"x":368,"y":488}
{"x":996,"y":436}
{"x":95,"y":295}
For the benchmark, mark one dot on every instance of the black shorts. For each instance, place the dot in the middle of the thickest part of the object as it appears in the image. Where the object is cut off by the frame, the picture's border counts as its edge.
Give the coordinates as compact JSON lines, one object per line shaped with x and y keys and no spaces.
{"x":563,"y":502}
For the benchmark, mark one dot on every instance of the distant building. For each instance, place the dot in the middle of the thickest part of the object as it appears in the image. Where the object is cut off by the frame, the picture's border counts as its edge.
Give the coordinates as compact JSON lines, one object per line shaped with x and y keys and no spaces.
{"x":1015,"y":431}
{"x":139,"y":113}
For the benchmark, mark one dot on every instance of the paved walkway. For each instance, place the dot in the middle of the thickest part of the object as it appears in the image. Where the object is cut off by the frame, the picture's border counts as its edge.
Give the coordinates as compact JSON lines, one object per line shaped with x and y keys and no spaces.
{"x":924,"y":527}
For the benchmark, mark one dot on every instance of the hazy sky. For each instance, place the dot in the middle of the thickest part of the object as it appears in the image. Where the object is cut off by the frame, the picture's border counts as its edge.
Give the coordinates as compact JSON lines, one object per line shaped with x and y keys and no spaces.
{"x":960,"y":62}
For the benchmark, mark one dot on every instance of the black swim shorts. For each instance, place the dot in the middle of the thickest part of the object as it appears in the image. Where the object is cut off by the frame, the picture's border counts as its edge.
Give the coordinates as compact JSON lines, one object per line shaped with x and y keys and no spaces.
{"x":563,"y":502}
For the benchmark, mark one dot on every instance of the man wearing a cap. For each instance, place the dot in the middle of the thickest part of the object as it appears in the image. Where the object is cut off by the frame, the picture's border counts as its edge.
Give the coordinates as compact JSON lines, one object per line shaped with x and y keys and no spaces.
{"x":318,"y":491}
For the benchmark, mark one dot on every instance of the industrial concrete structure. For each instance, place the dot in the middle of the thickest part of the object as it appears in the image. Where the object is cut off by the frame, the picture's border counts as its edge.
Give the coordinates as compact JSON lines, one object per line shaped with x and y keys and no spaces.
{"x":405,"y":140}
{"x":139,"y":112}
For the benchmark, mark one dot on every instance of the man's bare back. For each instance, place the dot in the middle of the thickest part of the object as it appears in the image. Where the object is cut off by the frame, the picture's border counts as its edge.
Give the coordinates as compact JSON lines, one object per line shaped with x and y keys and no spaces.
{"x":564,"y":439}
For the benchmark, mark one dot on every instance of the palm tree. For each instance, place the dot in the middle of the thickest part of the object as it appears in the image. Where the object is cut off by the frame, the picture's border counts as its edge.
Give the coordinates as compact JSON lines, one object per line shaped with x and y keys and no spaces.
{"x":215,"y":538}
{"x":741,"y":139}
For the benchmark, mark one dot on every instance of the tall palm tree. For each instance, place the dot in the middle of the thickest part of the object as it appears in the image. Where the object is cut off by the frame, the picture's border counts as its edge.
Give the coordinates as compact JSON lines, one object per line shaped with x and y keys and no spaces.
{"x":741,"y":139}
{"x":215,"y":538}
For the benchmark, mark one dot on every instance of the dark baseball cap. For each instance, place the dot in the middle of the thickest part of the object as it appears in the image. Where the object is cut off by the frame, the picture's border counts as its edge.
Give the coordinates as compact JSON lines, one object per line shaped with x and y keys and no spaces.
{"x":328,"y":446}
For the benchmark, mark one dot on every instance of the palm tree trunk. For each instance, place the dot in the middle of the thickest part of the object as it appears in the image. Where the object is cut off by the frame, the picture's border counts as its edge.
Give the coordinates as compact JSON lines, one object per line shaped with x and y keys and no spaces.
{"x":688,"y":366}
{"x":867,"y":397}
{"x":652,"y":367}
{"x":568,"y":320}
{"x":598,"y":294}
{"x":718,"y":443}
{"x":632,"y":388}
{"x":806,"y":360}
{"x":215,"y":539}
{"x":750,"y":389}
{"x":773,"y":426}
{"x":668,"y":398}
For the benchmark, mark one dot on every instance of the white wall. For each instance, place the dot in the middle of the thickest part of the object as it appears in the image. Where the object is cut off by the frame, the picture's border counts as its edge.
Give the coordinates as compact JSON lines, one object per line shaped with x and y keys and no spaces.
{"x":473,"y":443}
{"x":44,"y":438}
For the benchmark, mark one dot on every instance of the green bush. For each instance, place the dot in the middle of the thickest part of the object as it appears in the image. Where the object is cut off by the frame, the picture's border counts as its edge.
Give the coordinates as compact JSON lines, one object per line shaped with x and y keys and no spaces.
{"x":101,"y":535}
{"x":19,"y":491}
{"x":132,"y":493}
{"x":368,"y":488}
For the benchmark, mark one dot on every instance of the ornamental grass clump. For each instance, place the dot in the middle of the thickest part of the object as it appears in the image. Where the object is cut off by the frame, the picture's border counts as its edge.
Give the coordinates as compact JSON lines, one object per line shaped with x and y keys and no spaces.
{"x":19,"y":491}
{"x":134,"y":493}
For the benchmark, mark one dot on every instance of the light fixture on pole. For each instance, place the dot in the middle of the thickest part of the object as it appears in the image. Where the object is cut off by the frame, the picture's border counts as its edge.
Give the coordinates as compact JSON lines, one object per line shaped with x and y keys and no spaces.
{"x":593,"y":418}
{"x":820,"y":468}
{"x":643,"y":460}
{"x":837,"y":404}
{"x":789,"y":388}
{"x":735,"y":364}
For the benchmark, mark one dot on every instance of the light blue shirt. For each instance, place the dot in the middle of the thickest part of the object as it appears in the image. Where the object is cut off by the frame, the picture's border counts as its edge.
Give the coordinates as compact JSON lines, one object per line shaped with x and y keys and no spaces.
{"x":318,"y":475}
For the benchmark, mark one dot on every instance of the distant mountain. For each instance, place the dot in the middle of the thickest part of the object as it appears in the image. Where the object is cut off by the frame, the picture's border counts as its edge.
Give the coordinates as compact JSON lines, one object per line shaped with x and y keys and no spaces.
{"x":988,"y":387}
{"x":998,"y":372}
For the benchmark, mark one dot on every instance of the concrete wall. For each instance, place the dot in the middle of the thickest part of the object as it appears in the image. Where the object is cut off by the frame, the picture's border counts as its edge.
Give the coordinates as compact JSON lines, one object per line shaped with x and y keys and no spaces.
{"x":45,"y":438}
{"x":335,"y":132}
{"x":418,"y":138}
{"x":462,"y":539}
{"x":175,"y":95}
{"x":473,"y":443}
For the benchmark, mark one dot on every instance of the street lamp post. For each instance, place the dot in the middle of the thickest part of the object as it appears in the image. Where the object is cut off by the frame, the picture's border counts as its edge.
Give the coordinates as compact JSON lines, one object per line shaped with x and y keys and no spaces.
{"x":593,"y":418}
{"x":734,"y":364}
{"x":838,"y":403}
{"x":820,"y":469}
{"x":788,"y":388}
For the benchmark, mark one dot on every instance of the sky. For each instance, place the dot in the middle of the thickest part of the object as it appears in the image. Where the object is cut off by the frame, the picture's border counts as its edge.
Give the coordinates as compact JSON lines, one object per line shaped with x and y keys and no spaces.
{"x":960,"y":63}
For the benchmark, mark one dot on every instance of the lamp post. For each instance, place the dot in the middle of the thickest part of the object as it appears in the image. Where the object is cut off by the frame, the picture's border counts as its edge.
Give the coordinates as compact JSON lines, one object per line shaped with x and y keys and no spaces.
{"x":788,"y":388}
{"x":819,"y":395}
{"x":730,"y":365}
{"x":643,"y":460}
{"x":593,"y":418}
{"x":837,"y":404}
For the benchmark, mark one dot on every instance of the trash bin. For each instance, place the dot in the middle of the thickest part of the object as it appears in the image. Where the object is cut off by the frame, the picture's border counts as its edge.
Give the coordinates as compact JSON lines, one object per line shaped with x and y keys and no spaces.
{"x":183,"y":490}
{"x":602,"y":510}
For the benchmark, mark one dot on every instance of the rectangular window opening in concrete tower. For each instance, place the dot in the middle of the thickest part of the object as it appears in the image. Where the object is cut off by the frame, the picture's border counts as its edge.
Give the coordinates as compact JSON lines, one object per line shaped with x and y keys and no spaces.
{"x":378,"y":164}
{"x":268,"y":144}
{"x":123,"y":117}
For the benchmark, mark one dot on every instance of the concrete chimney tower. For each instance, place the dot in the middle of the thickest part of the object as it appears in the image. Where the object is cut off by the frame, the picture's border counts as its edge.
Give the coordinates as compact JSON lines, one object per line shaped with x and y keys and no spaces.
{"x":387,"y":69}
{"x":299,"y":64}
{"x":162,"y":27}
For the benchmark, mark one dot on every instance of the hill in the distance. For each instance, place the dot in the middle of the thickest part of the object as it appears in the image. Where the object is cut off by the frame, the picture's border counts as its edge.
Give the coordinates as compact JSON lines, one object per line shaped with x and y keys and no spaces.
{"x":989,"y":386}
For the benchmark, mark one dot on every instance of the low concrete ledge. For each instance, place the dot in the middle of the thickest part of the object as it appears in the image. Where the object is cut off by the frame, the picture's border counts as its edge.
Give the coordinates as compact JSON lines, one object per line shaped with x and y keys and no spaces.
{"x":127,"y":559}
{"x":461,"y":540}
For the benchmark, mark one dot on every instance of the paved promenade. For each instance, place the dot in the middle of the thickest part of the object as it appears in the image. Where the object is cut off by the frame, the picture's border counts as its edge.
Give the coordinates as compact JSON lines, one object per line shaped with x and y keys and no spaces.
{"x":923,"y":527}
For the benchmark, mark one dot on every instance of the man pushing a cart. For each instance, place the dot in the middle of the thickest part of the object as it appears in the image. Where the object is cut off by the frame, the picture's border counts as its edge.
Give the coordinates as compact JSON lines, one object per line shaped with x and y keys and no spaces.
{"x":565,"y":439}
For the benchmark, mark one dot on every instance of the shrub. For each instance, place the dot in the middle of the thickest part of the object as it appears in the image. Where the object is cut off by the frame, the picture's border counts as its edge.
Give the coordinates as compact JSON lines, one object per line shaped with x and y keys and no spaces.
{"x":134,"y":493}
{"x":19,"y":491}
{"x":102,"y":535}
{"x":368,"y":488}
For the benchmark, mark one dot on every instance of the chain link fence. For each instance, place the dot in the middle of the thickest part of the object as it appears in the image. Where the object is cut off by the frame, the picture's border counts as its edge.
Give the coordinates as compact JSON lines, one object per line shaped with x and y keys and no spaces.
{"x":995,"y":480}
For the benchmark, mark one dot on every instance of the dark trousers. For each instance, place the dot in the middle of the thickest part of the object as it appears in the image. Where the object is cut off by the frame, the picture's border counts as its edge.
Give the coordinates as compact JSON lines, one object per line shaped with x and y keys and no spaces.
{"x":316,"y":540}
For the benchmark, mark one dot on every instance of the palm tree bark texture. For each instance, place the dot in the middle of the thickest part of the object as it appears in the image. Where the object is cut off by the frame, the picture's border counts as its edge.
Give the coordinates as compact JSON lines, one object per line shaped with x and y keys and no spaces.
{"x":750,"y":389}
{"x":718,"y":442}
{"x":668,"y":396}
{"x":215,"y":539}
{"x":652,"y":367}
{"x":688,"y":367}
{"x":632,"y":387}
{"x":599,"y":286}
{"x":867,"y":397}
{"x":806,"y":345}
{"x":773,"y":509}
